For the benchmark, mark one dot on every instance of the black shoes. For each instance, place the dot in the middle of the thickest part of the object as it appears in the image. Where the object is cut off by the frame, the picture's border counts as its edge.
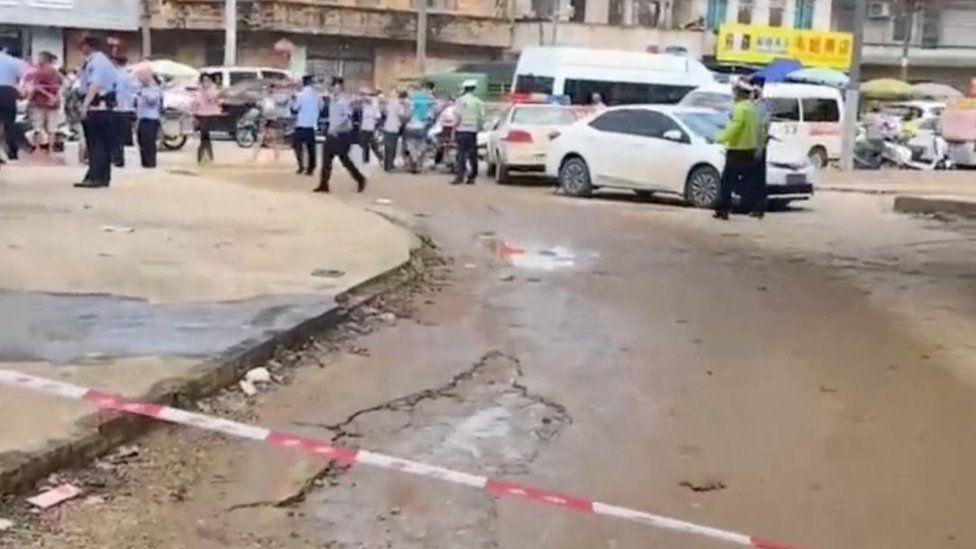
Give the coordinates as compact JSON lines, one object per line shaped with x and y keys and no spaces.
{"x":322,"y":188}
{"x":721,"y":215}
{"x":361,"y":185}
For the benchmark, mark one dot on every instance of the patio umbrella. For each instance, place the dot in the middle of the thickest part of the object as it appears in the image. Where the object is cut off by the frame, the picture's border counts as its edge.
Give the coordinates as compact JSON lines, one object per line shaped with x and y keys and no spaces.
{"x":932,"y":90}
{"x":825,"y":77}
{"x":778,"y":70}
{"x":886,"y":88}
{"x":167,"y":69}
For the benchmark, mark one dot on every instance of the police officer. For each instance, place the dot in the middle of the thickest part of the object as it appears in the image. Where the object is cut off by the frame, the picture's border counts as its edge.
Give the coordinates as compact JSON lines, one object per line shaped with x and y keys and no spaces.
{"x":98,"y":85}
{"x":149,"y":109}
{"x":306,"y":106}
{"x":339,"y":138}
{"x":12,"y":71}
{"x":125,"y":110}
{"x":470,"y":119}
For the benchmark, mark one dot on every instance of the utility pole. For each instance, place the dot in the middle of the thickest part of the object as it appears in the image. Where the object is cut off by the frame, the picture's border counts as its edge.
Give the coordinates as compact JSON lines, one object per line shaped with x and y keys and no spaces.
{"x":421,"y":37}
{"x":853,"y":92}
{"x":146,"y":28}
{"x":230,"y":30}
{"x":912,"y":7}
{"x":556,"y":5}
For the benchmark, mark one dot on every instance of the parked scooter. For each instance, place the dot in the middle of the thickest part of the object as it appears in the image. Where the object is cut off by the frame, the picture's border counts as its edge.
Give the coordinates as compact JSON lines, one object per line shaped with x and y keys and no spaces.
{"x":249,"y":128}
{"x":175,"y":128}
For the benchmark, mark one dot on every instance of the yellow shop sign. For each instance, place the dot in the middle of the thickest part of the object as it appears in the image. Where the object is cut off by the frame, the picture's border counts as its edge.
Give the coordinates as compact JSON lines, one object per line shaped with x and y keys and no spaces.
{"x":757,"y":45}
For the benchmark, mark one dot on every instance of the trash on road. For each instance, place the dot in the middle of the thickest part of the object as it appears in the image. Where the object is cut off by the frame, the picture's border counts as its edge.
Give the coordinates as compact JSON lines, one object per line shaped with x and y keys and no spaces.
{"x":248,"y":388}
{"x":328,"y":273}
{"x":384,"y":201}
{"x":546,"y":259}
{"x":258,"y":375}
{"x":117,"y":229}
{"x":6,"y":524}
{"x":55,"y":496}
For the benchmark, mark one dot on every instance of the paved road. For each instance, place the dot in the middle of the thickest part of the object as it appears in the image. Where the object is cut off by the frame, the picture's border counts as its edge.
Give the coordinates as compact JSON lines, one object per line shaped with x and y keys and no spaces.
{"x":770,"y":378}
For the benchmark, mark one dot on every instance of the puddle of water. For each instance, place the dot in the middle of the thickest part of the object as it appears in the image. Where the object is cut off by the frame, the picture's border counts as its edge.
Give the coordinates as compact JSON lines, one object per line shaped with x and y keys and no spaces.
{"x":62,"y":328}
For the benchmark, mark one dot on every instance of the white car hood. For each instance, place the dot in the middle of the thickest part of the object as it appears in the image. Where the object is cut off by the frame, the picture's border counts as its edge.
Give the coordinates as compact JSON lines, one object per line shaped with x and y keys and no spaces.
{"x":782,"y":152}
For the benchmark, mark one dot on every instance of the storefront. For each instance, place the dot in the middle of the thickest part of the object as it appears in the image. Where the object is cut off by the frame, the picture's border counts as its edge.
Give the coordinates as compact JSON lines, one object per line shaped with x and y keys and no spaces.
{"x":32,"y":26}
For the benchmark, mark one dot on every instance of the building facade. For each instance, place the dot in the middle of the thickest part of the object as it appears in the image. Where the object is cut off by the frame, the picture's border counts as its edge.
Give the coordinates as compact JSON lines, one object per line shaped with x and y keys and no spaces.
{"x":941,"y":38}
{"x":31,"y":26}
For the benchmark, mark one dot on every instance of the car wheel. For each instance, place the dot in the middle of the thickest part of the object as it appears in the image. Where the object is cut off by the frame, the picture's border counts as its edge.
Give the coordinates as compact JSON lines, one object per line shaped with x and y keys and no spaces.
{"x":703,"y":186}
{"x":574,"y":177}
{"x":501,"y":173}
{"x":817,"y":157}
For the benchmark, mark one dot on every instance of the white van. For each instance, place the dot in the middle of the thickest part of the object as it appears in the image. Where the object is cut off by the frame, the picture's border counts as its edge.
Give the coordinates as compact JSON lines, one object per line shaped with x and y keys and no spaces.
{"x":620,"y":77}
{"x":804,"y":115}
{"x":228,"y":76}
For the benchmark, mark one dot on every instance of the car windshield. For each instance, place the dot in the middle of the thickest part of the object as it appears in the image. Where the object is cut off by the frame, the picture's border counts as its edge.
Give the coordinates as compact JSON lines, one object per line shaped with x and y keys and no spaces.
{"x":706,"y":124}
{"x":543,"y":116}
{"x":708,"y":100}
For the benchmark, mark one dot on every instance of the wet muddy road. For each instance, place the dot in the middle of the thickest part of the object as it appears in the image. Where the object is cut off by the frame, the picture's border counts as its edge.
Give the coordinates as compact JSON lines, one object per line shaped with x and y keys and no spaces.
{"x":626,"y":352}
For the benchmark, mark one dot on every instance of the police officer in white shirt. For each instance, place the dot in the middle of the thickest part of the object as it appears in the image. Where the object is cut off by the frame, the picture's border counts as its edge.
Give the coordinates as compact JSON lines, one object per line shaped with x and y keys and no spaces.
{"x":149,"y":110}
{"x":125,"y":110}
{"x":12,"y":72}
{"x":306,"y":106}
{"x":339,"y":138}
{"x":98,"y":85}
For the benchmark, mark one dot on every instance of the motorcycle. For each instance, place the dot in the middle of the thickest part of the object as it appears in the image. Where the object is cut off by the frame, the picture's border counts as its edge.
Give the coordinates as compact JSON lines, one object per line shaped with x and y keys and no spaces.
{"x":175,"y":128}
{"x":249,"y":128}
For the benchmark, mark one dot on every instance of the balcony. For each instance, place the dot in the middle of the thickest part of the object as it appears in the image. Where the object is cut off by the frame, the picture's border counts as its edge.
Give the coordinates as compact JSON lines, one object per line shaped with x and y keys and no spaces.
{"x":461,"y":22}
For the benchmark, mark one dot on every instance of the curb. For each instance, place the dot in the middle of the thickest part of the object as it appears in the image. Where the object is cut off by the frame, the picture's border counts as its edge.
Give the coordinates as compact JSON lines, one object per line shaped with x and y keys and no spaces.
{"x":936,"y":205}
{"x":19,"y":471}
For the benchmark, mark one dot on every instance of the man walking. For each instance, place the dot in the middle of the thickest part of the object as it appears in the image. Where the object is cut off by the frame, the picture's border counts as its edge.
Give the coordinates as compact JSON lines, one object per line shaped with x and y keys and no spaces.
{"x":756,"y":185}
{"x":44,"y":101}
{"x":471,"y":117}
{"x":339,"y":139}
{"x":397,"y":115}
{"x":370,"y":104}
{"x":741,"y":140}
{"x":125,"y":110}
{"x":149,"y":109}
{"x":306,"y":107}
{"x":98,"y":86}
{"x":12,"y":72}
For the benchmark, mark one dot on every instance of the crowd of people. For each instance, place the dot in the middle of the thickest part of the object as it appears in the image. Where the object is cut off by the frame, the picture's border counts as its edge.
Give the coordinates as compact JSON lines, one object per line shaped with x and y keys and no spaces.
{"x":108,"y":102}
{"x":745,"y":139}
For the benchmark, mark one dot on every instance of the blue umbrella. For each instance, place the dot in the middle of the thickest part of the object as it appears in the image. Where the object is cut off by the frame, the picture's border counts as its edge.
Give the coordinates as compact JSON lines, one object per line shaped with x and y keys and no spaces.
{"x":778,"y":70}
{"x":825,"y":77}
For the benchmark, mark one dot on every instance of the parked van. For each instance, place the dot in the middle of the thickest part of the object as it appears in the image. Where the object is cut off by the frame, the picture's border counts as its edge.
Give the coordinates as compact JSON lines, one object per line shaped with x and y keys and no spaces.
{"x":620,"y":77}
{"x":228,"y":76}
{"x":806,"y":115}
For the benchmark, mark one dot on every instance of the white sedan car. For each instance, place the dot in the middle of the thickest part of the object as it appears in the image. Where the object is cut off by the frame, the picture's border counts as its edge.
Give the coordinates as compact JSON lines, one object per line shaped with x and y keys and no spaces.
{"x":519,"y":138}
{"x":664,"y":149}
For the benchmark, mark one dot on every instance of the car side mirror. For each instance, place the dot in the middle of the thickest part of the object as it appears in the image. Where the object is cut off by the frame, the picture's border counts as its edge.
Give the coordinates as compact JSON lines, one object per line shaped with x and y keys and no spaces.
{"x":674,"y":135}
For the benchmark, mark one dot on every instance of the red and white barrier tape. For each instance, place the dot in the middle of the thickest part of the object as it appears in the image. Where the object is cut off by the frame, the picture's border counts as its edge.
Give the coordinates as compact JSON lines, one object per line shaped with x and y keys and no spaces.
{"x":349,"y":457}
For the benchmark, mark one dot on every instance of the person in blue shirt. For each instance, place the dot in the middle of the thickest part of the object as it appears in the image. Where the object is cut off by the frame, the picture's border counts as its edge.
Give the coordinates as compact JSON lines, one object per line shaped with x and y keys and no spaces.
{"x":339,"y":138}
{"x":149,"y":110}
{"x":423,"y":101}
{"x":306,"y":106}
{"x":125,"y":110}
{"x":97,"y":83}
{"x":12,"y":71}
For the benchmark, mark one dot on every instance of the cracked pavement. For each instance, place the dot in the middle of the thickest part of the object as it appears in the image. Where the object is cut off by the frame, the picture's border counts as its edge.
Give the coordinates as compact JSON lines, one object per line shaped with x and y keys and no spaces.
{"x":808,"y":378}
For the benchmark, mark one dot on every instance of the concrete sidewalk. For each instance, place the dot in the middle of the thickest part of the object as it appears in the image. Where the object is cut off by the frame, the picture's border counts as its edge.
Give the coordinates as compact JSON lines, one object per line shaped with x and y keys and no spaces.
{"x":154,"y":284}
{"x":898,"y":182}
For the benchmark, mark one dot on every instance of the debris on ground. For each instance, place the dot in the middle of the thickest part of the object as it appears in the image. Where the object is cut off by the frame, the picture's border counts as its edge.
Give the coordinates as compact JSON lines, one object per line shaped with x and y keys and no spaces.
{"x":248,"y":388}
{"x":6,"y":524}
{"x":93,"y":500}
{"x":117,"y":229}
{"x":258,"y":375}
{"x":705,"y":485}
{"x":389,"y":318}
{"x":328,"y":273}
{"x":384,"y":201}
{"x":55,"y":496}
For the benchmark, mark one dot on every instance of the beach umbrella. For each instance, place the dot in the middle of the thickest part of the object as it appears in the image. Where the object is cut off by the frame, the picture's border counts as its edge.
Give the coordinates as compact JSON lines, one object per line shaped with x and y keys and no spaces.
{"x":825,"y":77}
{"x":886,"y":88}
{"x":932,"y":90}
{"x":167,"y":69}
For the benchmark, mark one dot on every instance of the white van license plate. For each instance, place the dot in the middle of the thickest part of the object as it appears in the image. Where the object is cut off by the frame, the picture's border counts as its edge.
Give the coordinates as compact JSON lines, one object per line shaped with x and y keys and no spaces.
{"x":796,"y":178}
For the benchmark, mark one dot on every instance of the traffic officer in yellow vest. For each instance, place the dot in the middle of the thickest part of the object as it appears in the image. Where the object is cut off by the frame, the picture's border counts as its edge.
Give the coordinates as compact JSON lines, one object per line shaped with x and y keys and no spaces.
{"x":741,"y":139}
{"x":470,"y":118}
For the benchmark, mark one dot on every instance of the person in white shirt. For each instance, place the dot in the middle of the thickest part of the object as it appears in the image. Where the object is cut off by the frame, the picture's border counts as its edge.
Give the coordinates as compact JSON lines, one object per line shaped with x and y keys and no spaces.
{"x":306,"y":106}
{"x":367,"y":126}
{"x":398,"y":112}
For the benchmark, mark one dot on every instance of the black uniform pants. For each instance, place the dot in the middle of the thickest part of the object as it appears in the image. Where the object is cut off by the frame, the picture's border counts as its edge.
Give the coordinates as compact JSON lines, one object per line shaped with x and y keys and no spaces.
{"x":753,"y":190}
{"x":148,"y":133}
{"x":303,"y":140}
{"x":367,"y":141}
{"x":739,"y":168}
{"x":122,"y":136}
{"x":100,"y":130}
{"x":467,"y":155}
{"x":390,"y":142}
{"x":337,"y":146}
{"x":11,"y":132}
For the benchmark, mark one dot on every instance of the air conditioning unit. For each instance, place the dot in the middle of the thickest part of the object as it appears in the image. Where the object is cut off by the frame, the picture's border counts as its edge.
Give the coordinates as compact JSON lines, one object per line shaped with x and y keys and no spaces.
{"x":879,"y":10}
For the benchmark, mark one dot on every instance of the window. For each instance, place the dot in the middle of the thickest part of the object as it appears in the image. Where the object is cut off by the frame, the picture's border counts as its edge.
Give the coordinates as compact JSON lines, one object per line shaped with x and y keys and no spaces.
{"x":803,"y":16}
{"x":820,"y":110}
{"x":745,"y":12}
{"x":623,"y":93}
{"x":579,"y":11}
{"x":777,"y":8}
{"x":931,"y":27}
{"x":783,"y":109}
{"x":530,"y":83}
{"x":274,"y":75}
{"x":622,"y":121}
{"x":901,"y":26}
{"x":615,"y":14}
{"x":647,"y":13}
{"x":654,"y":124}
{"x":242,"y":76}
{"x":217,"y":78}
{"x":717,"y":12}
{"x":543,"y":116}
